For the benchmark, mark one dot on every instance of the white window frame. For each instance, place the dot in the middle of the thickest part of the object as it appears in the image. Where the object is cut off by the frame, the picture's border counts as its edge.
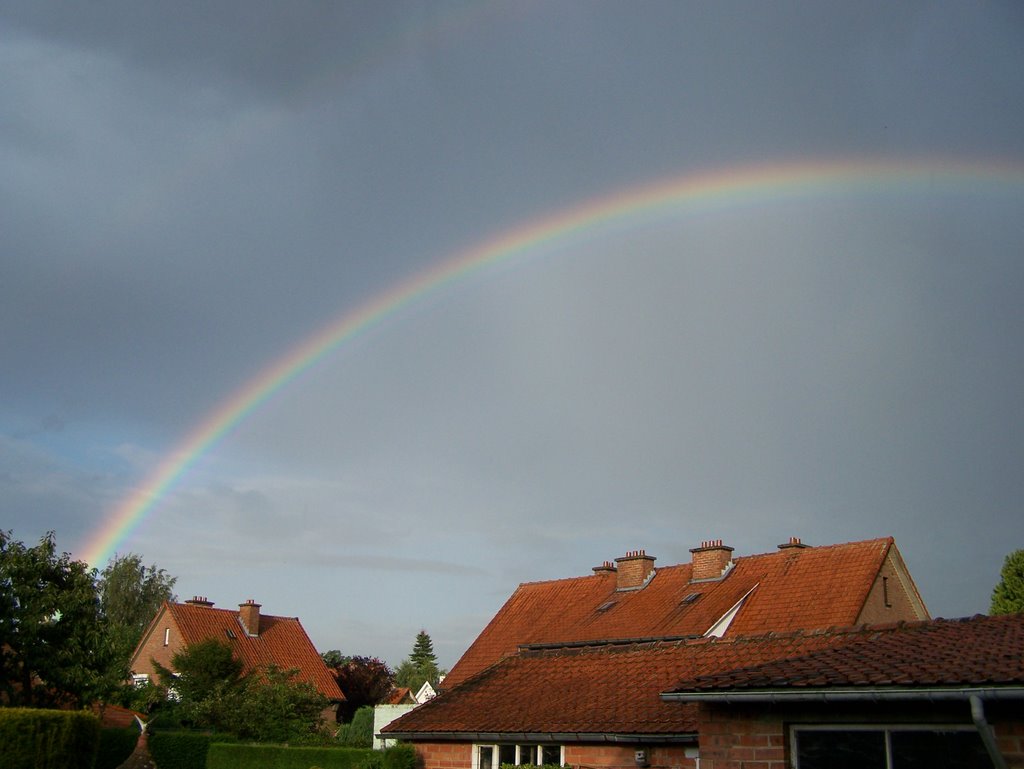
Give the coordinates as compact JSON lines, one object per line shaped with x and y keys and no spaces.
{"x":886,"y":728}
{"x":140,"y":679}
{"x":495,"y":745}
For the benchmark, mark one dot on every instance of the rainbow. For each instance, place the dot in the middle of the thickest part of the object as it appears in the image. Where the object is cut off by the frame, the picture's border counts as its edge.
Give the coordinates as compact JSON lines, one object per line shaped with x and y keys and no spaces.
{"x":687,"y":195}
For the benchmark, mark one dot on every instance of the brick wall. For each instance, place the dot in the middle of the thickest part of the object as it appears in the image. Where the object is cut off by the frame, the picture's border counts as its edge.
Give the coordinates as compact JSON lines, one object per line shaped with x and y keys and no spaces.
{"x":741,"y":738}
{"x":153,"y":647}
{"x":735,"y":737}
{"x":445,"y":755}
{"x":610,"y":756}
{"x":890,"y":599}
{"x":1010,"y":739}
{"x":459,"y":755}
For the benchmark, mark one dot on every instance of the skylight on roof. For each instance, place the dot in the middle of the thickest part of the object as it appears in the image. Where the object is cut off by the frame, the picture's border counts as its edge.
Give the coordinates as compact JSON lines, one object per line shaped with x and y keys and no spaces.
{"x":606,"y":605}
{"x":691,"y":598}
{"x":230,"y":633}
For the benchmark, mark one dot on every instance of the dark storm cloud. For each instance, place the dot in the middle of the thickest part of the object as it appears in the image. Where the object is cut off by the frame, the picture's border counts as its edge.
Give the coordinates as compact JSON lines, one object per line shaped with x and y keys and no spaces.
{"x":190,"y":189}
{"x":261,"y":47}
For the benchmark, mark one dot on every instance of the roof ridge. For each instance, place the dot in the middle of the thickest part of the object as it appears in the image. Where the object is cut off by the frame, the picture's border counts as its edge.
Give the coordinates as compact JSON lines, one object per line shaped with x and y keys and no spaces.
{"x":194,"y":607}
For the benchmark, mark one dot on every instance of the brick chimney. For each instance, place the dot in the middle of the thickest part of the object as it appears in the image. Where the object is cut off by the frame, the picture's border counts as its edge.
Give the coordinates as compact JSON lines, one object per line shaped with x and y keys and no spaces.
{"x":249,"y":616}
{"x":605,"y":568}
{"x":634,"y":569}
{"x":794,"y":543}
{"x":199,"y":600}
{"x":710,"y":560}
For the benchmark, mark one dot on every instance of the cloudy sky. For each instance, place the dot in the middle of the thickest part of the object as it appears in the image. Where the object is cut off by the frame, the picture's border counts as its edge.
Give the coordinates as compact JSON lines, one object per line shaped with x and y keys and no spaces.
{"x":190,"y":190}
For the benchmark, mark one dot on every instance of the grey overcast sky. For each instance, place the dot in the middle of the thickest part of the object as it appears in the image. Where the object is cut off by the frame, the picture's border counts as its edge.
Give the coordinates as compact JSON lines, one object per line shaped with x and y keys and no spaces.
{"x":189,"y":190}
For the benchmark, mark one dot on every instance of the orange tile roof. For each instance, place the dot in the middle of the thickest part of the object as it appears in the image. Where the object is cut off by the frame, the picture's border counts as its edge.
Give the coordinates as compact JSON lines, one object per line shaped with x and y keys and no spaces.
{"x":616,"y":689}
{"x":796,"y":588}
{"x":975,"y":651}
{"x":282,"y":641}
{"x":400,"y":696}
{"x":612,"y":689}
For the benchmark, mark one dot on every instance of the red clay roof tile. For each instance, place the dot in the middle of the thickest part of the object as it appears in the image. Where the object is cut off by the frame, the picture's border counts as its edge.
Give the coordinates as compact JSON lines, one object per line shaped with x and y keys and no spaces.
{"x":615,"y":689}
{"x":282,"y":641}
{"x":604,"y":689}
{"x":975,"y":651}
{"x":796,"y":588}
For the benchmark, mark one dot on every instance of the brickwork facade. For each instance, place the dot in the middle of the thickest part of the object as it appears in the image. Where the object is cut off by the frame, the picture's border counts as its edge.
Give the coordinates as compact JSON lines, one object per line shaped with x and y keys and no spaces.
{"x":445,"y":755}
{"x":612,"y":756}
{"x":1010,"y":739}
{"x":741,"y":738}
{"x":892,"y":596}
{"x":162,"y":643}
{"x":459,"y":755}
{"x":757,"y":737}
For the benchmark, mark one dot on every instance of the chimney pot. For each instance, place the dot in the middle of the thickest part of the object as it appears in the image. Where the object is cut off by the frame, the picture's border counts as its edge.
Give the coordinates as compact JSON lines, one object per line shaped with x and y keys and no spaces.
{"x":249,"y":617}
{"x":794,"y":542}
{"x":710,"y":560}
{"x":635,"y":568}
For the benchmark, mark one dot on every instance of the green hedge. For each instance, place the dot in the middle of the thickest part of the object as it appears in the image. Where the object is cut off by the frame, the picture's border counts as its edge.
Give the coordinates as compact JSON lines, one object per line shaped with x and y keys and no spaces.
{"x":402,"y":756}
{"x":115,"y":746}
{"x":181,"y":750}
{"x":48,"y":739}
{"x":223,"y":756}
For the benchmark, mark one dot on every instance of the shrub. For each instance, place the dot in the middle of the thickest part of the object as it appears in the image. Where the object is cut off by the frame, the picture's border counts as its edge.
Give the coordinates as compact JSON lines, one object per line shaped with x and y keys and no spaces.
{"x":226,"y":756}
{"x":180,"y":750}
{"x":401,"y":756}
{"x":33,"y":738}
{"x":115,"y":746}
{"x":359,"y":733}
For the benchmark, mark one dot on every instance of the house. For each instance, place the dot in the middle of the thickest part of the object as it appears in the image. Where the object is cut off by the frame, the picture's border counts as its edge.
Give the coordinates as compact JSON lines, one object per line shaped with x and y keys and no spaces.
{"x":426,"y":692}
{"x":256,"y":639}
{"x":796,"y":587}
{"x":571,"y":671}
{"x":398,"y":703}
{"x":944,"y":693}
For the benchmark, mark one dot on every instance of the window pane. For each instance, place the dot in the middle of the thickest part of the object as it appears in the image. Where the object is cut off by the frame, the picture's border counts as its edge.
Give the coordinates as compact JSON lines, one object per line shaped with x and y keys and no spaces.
{"x":551,"y":754}
{"x":840,"y":750}
{"x":506,"y":754}
{"x":527,"y":755}
{"x":486,"y":757}
{"x":938,"y":750}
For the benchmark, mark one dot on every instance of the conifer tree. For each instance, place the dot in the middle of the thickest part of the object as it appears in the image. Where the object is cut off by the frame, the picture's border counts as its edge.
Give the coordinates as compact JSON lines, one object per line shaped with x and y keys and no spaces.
{"x":420,"y":666}
{"x":1008,"y":596}
{"x":423,"y":650}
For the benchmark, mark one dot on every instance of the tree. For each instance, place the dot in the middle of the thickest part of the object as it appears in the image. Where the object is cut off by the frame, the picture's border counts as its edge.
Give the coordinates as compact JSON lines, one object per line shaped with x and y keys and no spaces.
{"x":212,"y":691}
{"x":130,"y":595}
{"x":274,"y":707}
{"x":423,"y":650}
{"x":53,"y":643}
{"x":359,"y":733}
{"x":334,"y":658}
{"x":364,"y":681}
{"x":204,"y":686}
{"x":421,"y":666}
{"x":1008,"y":595}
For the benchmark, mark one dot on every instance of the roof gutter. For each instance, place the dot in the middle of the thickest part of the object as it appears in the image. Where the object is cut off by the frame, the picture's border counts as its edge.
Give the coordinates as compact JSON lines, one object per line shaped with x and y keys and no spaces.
{"x":860,"y":694}
{"x":546,"y":737}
